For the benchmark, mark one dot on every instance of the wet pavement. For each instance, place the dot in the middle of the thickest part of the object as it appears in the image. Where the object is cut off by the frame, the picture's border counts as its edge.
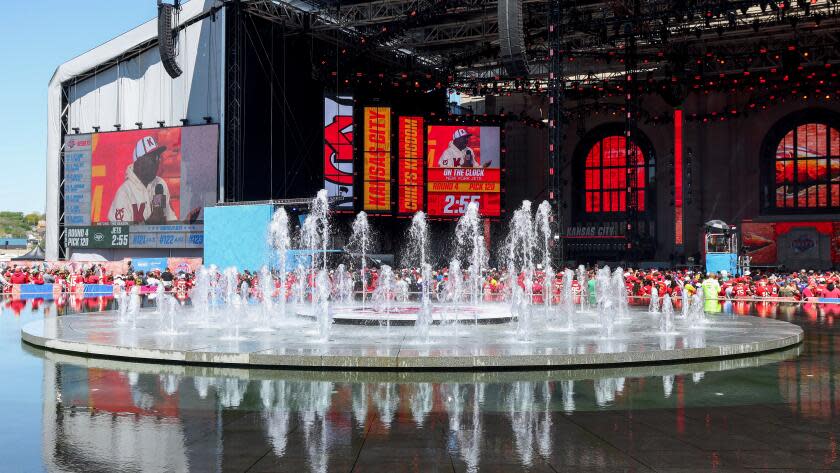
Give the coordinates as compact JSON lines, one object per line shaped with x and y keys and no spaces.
{"x":774,"y":412}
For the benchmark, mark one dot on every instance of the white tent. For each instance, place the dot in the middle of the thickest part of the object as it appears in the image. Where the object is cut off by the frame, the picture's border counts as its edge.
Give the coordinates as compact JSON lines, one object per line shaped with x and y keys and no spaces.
{"x":123,"y":82}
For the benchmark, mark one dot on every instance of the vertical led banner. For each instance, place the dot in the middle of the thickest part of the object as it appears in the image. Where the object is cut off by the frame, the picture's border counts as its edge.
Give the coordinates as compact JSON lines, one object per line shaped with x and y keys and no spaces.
{"x":377,"y":158}
{"x":678,"y":176}
{"x":410,"y":172}
{"x":338,"y":151}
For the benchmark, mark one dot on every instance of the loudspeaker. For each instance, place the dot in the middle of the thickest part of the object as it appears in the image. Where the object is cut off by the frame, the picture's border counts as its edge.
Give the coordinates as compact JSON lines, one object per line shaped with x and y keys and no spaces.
{"x":166,"y":40}
{"x":512,"y":38}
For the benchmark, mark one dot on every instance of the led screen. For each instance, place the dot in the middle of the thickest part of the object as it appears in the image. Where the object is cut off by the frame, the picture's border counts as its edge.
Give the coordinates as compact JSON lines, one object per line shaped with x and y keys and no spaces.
{"x":140,"y":188}
{"x":808,"y":168}
{"x":463,"y":167}
{"x":338,"y":151}
{"x":377,"y":158}
{"x":410,"y":172}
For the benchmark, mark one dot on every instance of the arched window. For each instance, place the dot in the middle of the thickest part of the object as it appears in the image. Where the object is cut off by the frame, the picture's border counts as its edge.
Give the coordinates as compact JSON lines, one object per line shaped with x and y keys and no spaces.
{"x":605,"y":176}
{"x":807,"y":168}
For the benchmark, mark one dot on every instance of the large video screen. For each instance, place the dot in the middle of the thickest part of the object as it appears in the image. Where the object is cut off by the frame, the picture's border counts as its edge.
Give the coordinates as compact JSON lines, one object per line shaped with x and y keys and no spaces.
{"x":464,"y":166}
{"x":338,"y":151}
{"x":141,"y":188}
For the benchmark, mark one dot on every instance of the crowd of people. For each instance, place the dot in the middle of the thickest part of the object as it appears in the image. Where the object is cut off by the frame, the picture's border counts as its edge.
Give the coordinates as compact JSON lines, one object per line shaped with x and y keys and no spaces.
{"x":640,"y":284}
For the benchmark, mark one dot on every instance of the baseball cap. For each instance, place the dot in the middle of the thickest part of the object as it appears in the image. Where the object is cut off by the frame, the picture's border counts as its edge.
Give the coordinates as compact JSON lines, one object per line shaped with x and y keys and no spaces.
{"x":147,"y":145}
{"x":460,"y":133}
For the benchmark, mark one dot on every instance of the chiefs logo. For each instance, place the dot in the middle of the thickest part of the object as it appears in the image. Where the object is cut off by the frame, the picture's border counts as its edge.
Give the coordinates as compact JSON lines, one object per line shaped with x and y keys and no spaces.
{"x":119,"y":215}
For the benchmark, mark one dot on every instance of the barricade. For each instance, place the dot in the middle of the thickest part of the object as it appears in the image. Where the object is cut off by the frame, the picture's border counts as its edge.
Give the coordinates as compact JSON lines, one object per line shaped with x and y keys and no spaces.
{"x":98,"y":290}
{"x":36,"y":291}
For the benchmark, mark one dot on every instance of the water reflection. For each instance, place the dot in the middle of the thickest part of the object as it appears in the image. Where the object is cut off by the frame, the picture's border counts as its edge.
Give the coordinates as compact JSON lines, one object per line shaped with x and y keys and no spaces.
{"x":102,"y":413}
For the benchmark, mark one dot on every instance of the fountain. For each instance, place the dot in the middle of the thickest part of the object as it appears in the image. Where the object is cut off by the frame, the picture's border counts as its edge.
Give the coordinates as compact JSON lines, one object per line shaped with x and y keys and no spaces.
{"x":418,"y":236}
{"x":360,"y":241}
{"x":159,"y":293}
{"x":280,"y":241}
{"x":542,"y":224}
{"x":520,"y":265}
{"x":200,"y":296}
{"x":453,"y":324}
{"x":696,"y":314}
{"x":343,"y":285}
{"x":383,"y":296}
{"x":605,"y":302}
{"x":454,"y":289}
{"x":169,"y":311}
{"x":583,"y":285}
{"x":470,"y":245}
{"x":134,"y":306}
{"x":315,"y":236}
{"x":300,"y":284}
{"x":666,"y":318}
{"x":321,"y":300}
{"x":122,"y":306}
{"x":567,"y":299}
{"x":267,"y":300}
{"x":653,"y":307}
{"x":618,"y":288}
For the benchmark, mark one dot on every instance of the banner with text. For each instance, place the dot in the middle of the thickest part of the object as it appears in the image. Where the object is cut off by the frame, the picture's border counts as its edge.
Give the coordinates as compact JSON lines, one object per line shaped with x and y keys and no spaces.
{"x":410,"y":172}
{"x":377,"y":158}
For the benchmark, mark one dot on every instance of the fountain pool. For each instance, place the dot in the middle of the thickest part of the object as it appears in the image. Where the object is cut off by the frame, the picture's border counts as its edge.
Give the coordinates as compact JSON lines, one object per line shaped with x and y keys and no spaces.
{"x":312,"y":315}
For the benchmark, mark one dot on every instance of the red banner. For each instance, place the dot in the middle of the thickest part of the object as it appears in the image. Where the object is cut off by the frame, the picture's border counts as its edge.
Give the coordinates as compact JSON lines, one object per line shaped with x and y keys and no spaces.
{"x":410,"y":173}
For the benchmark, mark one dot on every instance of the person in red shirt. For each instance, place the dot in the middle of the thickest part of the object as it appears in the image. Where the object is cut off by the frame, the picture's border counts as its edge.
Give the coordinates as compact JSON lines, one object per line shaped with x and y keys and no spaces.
{"x":810,"y":291}
{"x":762,"y":290}
{"x":741,"y":290}
{"x":831,"y":291}
{"x":37,"y":278}
{"x":19,"y":277}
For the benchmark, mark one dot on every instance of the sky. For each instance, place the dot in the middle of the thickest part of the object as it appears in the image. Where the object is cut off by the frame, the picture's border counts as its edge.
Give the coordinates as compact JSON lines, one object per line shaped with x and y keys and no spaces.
{"x":35,"y":38}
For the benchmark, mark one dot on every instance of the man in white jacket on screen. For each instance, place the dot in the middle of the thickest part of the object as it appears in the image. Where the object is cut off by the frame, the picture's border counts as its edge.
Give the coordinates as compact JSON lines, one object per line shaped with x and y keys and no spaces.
{"x":458,"y":154}
{"x":144,"y":196}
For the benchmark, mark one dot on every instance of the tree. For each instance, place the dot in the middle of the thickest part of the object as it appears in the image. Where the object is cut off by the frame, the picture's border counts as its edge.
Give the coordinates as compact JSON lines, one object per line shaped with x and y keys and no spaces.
{"x":33,"y":218}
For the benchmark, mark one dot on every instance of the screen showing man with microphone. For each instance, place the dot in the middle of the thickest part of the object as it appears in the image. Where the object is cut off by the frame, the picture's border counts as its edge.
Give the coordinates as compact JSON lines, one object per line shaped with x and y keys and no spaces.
{"x":464,"y":164}
{"x":144,"y":196}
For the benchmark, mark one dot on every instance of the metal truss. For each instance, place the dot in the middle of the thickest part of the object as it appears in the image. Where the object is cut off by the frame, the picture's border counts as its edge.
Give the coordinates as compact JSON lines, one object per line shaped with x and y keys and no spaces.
{"x":452,"y":33}
{"x":462,"y":35}
{"x":313,"y":19}
{"x":382,"y":11}
{"x":557,"y":161}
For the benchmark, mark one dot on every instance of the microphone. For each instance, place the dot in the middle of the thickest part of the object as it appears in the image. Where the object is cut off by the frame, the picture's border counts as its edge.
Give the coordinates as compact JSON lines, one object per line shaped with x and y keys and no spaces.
{"x":468,"y":162}
{"x":159,"y":200}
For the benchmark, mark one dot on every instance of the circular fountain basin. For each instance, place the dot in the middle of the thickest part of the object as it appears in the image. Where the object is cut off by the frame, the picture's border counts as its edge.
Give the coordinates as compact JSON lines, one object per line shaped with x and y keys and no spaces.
{"x":406,"y":314}
{"x":295,"y":342}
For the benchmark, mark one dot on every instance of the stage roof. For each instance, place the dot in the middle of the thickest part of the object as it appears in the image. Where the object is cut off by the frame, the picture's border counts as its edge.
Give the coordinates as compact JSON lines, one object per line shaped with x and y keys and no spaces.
{"x":462,"y":36}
